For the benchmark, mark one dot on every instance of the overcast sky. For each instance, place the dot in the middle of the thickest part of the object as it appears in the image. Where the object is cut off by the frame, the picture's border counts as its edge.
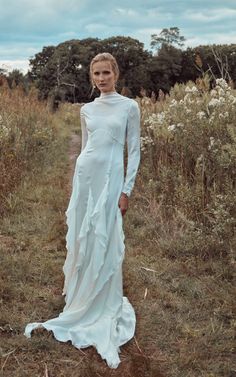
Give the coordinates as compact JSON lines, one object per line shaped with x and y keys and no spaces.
{"x":26,"y":26}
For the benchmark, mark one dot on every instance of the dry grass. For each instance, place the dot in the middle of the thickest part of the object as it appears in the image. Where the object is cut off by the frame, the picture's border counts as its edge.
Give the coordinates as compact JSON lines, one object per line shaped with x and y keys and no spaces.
{"x":185,"y":303}
{"x":32,"y":254}
{"x":27,"y":131}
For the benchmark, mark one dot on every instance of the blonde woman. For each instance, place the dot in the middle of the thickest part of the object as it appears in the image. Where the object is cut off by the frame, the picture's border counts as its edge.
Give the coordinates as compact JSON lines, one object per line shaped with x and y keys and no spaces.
{"x":96,"y":313}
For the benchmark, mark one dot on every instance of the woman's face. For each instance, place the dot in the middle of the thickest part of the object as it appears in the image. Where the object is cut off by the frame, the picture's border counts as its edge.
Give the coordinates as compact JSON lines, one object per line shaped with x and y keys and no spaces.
{"x":103,"y":76}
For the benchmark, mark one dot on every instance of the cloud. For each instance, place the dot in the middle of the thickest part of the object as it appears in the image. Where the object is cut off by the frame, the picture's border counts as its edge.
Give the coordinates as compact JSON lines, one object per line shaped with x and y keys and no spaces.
{"x":27,"y":26}
{"x":9,"y":65}
{"x":211,"y":15}
{"x":125,"y":12}
{"x":211,"y":38}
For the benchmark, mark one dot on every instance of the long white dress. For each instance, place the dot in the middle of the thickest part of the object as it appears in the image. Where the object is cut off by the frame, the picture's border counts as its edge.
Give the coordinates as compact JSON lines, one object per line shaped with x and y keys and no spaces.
{"x":96,"y":313}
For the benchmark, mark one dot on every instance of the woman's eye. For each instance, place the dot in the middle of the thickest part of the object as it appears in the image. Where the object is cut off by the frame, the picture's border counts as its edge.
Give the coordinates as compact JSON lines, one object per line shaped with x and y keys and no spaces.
{"x":105,"y":73}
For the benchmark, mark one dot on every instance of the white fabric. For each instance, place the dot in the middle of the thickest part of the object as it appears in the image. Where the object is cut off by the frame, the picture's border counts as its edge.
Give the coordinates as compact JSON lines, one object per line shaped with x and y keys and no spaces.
{"x":96,"y":312}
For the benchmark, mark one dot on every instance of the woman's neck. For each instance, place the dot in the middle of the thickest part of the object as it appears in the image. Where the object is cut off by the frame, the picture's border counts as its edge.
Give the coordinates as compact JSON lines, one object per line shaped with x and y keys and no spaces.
{"x":103,"y":94}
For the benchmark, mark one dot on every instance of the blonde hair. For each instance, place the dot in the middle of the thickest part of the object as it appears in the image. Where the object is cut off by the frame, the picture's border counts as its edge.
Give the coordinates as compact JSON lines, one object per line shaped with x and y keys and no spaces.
{"x":104,"y":56}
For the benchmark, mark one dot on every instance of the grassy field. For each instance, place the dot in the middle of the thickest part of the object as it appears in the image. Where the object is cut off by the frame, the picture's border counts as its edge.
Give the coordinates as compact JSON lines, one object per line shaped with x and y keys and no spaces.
{"x":180,"y":282}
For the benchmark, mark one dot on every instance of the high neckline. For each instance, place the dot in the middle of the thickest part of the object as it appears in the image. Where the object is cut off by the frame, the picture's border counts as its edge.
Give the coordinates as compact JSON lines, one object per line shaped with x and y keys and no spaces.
{"x":107,"y":94}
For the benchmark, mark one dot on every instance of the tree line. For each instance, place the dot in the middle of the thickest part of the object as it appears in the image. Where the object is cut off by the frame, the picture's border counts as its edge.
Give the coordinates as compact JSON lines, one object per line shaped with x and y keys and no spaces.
{"x":62,"y":72}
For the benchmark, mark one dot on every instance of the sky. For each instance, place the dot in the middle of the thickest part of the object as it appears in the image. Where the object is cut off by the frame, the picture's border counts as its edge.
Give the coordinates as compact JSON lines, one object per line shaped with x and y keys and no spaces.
{"x":26,"y":26}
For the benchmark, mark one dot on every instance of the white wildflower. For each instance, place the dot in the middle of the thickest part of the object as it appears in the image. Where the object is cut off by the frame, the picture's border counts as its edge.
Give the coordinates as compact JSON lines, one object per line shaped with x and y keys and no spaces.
{"x":173,"y":103}
{"x":221,"y":92}
{"x":212,"y":143}
{"x":193,"y":90}
{"x":4,"y":131}
{"x":222,"y":83}
{"x":172,"y":127}
{"x":151,"y":127}
{"x":201,"y":115}
{"x":187,"y":89}
{"x":155,"y":119}
{"x":213,"y":93}
{"x":146,"y":141}
{"x":222,"y":100}
{"x":224,"y":115}
{"x":188,"y":99}
{"x":212,"y":118}
{"x":232,"y":99}
{"x":160,"y":117}
{"x":200,"y":158}
{"x":214,"y":102}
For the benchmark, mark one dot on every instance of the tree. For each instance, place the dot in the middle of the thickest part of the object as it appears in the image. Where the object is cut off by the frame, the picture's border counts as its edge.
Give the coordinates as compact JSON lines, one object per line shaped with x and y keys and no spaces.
{"x":166,"y":64}
{"x":165,"y":68}
{"x":63,"y":72}
{"x":3,"y":72}
{"x":133,"y":62}
{"x":15,"y":77}
{"x":168,"y":37}
{"x":39,"y":62}
{"x":217,"y":59}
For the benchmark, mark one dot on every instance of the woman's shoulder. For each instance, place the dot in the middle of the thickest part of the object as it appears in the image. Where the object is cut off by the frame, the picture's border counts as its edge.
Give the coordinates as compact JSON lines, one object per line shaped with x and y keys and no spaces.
{"x":85,"y":106}
{"x":119,"y":98}
{"x":134,"y":106}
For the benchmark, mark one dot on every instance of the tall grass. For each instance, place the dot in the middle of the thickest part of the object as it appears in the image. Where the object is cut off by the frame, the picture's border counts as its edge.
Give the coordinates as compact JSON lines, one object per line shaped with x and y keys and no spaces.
{"x":27,"y":131}
{"x":179,"y":269}
{"x":189,"y":163}
{"x":180,"y":231}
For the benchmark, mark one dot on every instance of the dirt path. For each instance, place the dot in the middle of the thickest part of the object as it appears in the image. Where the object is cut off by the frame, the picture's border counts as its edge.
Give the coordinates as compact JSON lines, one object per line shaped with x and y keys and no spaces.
{"x":134,"y":361}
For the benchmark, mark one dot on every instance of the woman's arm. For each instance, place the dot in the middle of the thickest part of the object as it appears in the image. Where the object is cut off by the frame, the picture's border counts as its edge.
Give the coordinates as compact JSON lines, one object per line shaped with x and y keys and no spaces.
{"x":84,"y":132}
{"x":133,"y":144}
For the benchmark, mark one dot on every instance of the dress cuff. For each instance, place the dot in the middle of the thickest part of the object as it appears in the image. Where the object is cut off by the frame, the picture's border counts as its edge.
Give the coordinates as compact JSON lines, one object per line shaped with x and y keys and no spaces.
{"x":126,"y":193}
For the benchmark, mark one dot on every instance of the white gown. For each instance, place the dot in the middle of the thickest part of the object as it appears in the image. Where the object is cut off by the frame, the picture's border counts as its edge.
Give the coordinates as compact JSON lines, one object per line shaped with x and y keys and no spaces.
{"x":96,"y":313}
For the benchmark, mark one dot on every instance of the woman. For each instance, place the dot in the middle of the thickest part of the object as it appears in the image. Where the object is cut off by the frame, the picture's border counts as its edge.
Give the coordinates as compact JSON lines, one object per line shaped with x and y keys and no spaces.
{"x":96,"y":313}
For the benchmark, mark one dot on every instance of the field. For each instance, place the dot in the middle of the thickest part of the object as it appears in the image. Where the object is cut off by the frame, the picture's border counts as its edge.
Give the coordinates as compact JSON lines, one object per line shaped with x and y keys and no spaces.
{"x":179,"y":268}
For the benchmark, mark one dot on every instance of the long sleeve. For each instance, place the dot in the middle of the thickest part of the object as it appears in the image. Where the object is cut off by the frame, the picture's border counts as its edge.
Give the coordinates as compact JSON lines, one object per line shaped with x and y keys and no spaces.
{"x":133,"y":144}
{"x":84,"y":132}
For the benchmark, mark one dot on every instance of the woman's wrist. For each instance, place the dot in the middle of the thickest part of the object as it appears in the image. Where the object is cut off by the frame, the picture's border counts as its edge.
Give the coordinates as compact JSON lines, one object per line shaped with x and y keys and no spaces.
{"x":124,"y":194}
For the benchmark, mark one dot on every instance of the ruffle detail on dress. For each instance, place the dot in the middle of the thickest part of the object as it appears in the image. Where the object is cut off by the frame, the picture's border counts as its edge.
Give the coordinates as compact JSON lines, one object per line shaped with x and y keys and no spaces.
{"x":115,"y":324}
{"x":95,"y":221}
{"x":110,"y":333}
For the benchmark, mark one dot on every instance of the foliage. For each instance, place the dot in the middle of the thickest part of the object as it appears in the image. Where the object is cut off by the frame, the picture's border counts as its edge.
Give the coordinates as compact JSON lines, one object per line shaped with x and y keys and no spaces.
{"x":63,"y":72}
{"x":178,"y":274}
{"x":15,"y":78}
{"x":189,"y":149}
{"x":165,"y":68}
{"x":167,"y":37}
{"x":26,"y":132}
{"x":198,"y":60}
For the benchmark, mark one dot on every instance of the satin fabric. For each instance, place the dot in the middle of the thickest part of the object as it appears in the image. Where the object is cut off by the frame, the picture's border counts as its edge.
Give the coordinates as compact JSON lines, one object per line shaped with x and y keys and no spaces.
{"x":96,"y":313}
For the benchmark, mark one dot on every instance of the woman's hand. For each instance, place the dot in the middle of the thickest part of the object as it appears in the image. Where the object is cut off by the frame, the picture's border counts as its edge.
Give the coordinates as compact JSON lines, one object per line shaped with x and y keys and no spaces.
{"x":123,"y":203}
